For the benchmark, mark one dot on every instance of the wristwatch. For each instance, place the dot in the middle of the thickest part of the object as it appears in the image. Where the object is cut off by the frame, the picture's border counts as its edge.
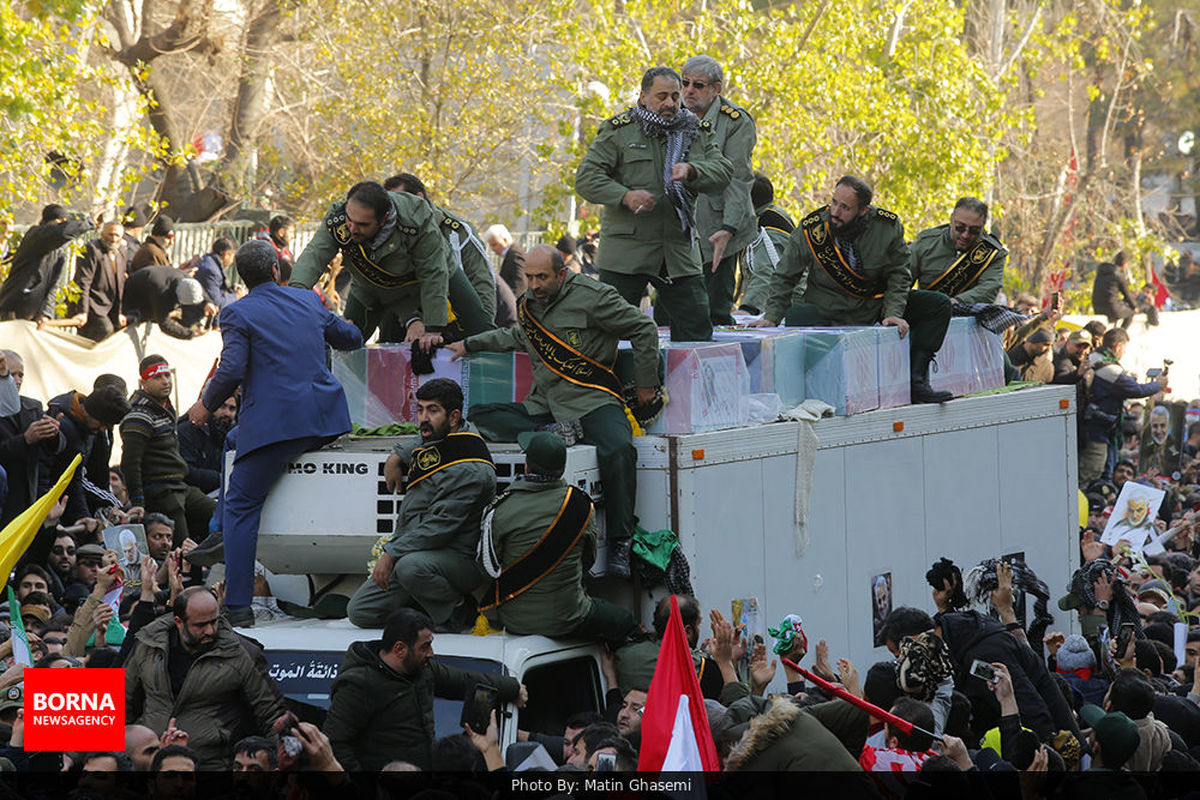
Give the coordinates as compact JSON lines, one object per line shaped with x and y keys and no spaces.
{"x":1102,"y":605}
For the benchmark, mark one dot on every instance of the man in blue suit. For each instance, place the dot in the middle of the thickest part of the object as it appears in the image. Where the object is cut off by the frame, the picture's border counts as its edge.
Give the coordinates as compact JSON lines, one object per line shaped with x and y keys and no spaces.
{"x":274,"y":348}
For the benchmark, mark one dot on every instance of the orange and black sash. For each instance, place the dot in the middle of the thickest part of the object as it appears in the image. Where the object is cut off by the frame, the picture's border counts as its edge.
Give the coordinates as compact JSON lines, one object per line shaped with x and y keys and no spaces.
{"x":547,"y":553}
{"x":456,"y":448}
{"x":564,"y":360}
{"x":356,"y":255}
{"x":820,"y":241}
{"x":966,"y":269}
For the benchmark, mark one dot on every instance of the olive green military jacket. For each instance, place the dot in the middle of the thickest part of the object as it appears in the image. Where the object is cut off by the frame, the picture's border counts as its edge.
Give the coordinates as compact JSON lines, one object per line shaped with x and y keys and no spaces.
{"x":591,"y":317}
{"x":414,"y":260}
{"x":932,"y":253}
{"x":557,"y":603}
{"x":468,"y":254}
{"x":760,"y":260}
{"x":623,"y":158}
{"x":883,"y":257}
{"x":443,"y":511}
{"x":731,"y":208}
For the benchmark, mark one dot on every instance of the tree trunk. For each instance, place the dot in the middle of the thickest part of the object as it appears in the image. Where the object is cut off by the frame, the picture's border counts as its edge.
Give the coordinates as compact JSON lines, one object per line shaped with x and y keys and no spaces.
{"x":111,"y":169}
{"x":189,"y":30}
{"x":250,"y":107}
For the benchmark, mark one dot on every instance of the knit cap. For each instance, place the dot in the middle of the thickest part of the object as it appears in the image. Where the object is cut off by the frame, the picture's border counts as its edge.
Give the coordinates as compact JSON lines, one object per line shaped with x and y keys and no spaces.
{"x":1074,"y":654}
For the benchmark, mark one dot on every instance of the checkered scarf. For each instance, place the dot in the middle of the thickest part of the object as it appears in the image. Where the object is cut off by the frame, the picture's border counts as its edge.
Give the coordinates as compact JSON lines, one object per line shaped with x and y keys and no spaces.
{"x":1121,"y":608}
{"x":994,"y":318}
{"x":385,"y":229}
{"x":680,"y":131}
{"x":924,"y":662}
{"x":981,"y":581}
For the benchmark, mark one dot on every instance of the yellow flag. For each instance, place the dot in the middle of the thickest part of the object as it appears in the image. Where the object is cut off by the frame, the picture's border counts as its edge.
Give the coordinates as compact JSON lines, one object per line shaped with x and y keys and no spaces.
{"x":17,"y":535}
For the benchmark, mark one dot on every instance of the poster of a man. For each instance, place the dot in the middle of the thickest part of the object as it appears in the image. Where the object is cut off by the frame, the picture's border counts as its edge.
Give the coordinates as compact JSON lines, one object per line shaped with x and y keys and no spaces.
{"x":129,"y":543}
{"x":1132,"y":518}
{"x":881,"y":604}
{"x":1159,"y":451}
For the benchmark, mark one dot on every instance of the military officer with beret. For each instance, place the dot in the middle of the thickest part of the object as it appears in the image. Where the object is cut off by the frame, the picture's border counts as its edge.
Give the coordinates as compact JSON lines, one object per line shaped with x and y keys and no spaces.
{"x":537,"y":544}
{"x":466,"y":251}
{"x":646,"y":166}
{"x":960,"y":259}
{"x":725,"y":220}
{"x":570,"y":326}
{"x":855,"y":261}
{"x":403,"y":282}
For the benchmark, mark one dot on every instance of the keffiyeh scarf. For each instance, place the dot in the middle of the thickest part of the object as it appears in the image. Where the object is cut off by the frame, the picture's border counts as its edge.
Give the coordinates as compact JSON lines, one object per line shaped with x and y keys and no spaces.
{"x":994,"y":318}
{"x":679,"y":131}
{"x":981,"y":581}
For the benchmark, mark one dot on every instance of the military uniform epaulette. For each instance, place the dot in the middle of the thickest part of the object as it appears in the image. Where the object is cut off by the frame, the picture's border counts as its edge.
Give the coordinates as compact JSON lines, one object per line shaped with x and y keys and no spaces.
{"x":595,"y":287}
{"x":335,"y":223}
{"x":451,"y":223}
{"x":407,"y":230}
{"x":730,"y":111}
{"x":620,"y":119}
{"x":812,"y":218}
{"x":883,"y":213}
{"x":937,"y":230}
{"x":705,"y":125}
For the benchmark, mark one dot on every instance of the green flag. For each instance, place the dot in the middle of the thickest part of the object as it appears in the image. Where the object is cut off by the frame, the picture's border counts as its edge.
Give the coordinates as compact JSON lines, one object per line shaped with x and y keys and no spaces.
{"x":20,"y":639}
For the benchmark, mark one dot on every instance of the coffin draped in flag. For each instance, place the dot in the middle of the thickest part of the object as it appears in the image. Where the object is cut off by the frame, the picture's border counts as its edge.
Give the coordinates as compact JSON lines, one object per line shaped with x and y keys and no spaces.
{"x":675,"y":733}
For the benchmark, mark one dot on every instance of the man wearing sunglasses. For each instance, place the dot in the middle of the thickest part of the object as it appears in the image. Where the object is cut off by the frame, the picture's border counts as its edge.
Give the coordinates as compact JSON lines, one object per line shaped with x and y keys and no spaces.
{"x":646,"y":166}
{"x":60,"y":564}
{"x":725,"y":219}
{"x":960,"y":259}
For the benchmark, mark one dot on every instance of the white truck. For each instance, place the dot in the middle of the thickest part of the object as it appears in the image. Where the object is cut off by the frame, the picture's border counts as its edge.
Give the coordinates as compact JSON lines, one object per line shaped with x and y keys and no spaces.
{"x":891,"y":492}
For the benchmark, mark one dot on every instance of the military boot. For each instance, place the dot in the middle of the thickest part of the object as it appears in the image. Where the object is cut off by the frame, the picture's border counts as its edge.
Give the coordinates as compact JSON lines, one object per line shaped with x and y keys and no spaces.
{"x":922,"y":392}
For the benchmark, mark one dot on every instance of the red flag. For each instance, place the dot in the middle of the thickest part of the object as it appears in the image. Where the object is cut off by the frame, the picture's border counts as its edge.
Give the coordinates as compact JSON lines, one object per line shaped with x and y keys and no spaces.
{"x":674,"y":720}
{"x":1160,"y":292}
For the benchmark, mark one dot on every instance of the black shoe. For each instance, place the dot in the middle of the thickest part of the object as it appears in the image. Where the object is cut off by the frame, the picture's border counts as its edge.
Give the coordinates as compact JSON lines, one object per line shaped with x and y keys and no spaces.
{"x":620,"y":551}
{"x":208,"y":552}
{"x":922,"y":392}
{"x":240,"y":617}
{"x":462,"y":619}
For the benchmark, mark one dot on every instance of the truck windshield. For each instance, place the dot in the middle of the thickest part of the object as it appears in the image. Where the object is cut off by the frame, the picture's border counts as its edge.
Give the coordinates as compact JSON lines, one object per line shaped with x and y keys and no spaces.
{"x":305,"y":677}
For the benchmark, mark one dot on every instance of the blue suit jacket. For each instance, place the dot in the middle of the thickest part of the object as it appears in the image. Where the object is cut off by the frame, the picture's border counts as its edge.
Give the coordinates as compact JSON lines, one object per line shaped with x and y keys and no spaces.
{"x":274,"y":347}
{"x":212,"y":279}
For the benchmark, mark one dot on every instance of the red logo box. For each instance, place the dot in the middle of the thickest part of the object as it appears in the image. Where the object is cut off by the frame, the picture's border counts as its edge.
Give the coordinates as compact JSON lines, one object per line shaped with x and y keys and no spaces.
{"x":75,"y":709}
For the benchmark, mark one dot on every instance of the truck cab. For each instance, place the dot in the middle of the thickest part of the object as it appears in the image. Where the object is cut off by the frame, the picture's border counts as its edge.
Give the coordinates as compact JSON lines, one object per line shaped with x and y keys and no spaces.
{"x":562,"y":678}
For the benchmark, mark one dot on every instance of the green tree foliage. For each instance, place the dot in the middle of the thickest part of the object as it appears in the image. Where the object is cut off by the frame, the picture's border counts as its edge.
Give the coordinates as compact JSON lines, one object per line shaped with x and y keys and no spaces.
{"x":45,"y":125}
{"x":830,"y":92}
{"x":451,"y":90}
{"x":55,"y":86}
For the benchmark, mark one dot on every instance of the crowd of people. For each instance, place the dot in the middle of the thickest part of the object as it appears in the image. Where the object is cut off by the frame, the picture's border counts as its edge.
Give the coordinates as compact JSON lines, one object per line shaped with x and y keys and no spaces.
{"x":686,"y":219}
{"x":126,"y":274}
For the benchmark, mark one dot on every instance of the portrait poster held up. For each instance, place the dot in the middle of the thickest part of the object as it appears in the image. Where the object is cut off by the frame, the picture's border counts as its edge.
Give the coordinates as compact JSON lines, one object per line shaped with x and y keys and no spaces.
{"x":1163,"y":430}
{"x":129,"y":543}
{"x":881,"y":605}
{"x":1132,"y":519}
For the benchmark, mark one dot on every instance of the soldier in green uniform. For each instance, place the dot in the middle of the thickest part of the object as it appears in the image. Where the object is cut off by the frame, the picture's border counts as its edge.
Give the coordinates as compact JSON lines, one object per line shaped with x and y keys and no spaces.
{"x":538,"y":542}
{"x":429,"y":562}
{"x":466,"y":251}
{"x":646,"y":166}
{"x":570,"y":325}
{"x":855,"y":261}
{"x":403,"y":281}
{"x":960,"y":259}
{"x":775,"y":227}
{"x":725,"y":220}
